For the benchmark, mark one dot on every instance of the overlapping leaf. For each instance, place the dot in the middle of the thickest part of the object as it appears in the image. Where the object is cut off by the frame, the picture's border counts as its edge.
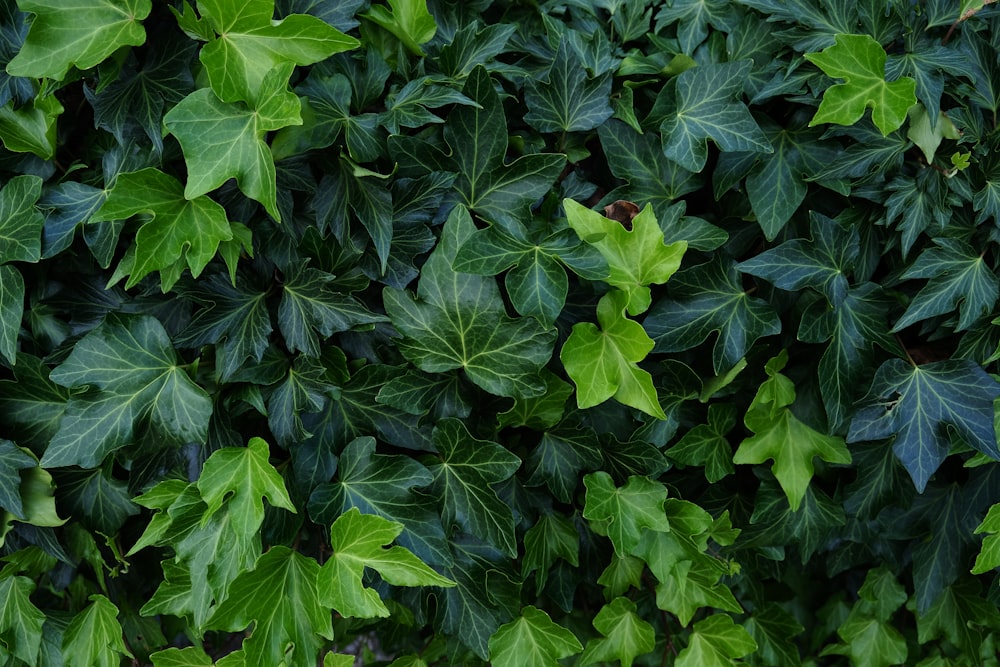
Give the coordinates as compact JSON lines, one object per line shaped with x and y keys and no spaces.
{"x":624,"y":513}
{"x":625,"y":635}
{"x":534,"y":640}
{"x":568,"y":100}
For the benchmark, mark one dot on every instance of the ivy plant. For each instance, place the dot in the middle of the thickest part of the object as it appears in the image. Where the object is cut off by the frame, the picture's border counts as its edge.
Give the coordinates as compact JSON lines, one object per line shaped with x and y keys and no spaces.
{"x":440,"y":332}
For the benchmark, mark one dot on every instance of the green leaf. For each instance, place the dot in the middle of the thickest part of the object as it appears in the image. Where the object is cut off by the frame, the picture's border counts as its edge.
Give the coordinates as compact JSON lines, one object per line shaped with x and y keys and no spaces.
{"x":715,"y":642}
{"x":20,"y":222}
{"x":699,"y":104}
{"x":559,"y":458}
{"x":989,"y":555}
{"x":465,"y":471}
{"x":623,"y":513}
{"x":32,"y":127}
{"x":12,"y":460}
{"x":76,"y":33}
{"x":552,"y":537}
{"x":461,"y":323}
{"x":872,"y":640}
{"x":638,"y":256}
{"x":132,"y":364}
{"x":99,"y":501}
{"x":914,"y":403}
{"x":192,"y":656}
{"x":408,"y":107}
{"x":711,"y":298}
{"x":408,"y":20}
{"x":222,"y":140}
{"x":242,"y":476}
{"x":958,"y":278}
{"x":542,"y":412}
{"x":477,"y":137}
{"x":707,"y":445}
{"x":568,"y":100}
{"x":11,"y":310}
{"x":603,"y":363}
{"x":94,"y":636}
{"x":625,"y":635}
{"x":383,"y":485}
{"x":358,"y":541}
{"x":651,"y":177}
{"x":860,"y":61}
{"x":774,"y":523}
{"x":20,"y":620}
{"x":250,"y":45}
{"x":279,"y":597}
{"x":961,"y":615}
{"x":534,"y":640}
{"x":780,"y":436}
{"x":774,"y":630}
{"x":32,"y":405}
{"x":179,"y":229}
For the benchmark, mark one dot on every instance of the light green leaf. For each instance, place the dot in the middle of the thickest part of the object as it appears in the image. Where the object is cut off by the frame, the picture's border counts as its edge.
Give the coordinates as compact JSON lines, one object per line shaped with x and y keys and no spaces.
{"x":94,"y":636}
{"x":989,"y":555}
{"x":860,"y":61}
{"x":626,"y":635}
{"x":408,"y":20}
{"x":11,"y":310}
{"x":279,"y":597}
{"x":638,"y":256}
{"x":358,"y":541}
{"x":465,"y":471}
{"x":699,"y":104}
{"x":134,"y":367}
{"x":32,"y":127}
{"x":76,"y":33}
{"x":533,"y":640}
{"x":715,"y":642}
{"x":178,"y":229}
{"x":459,"y":321}
{"x":20,"y":222}
{"x":780,"y":436}
{"x":603,"y":363}
{"x":192,"y":656}
{"x":20,"y":620}
{"x":242,"y":476}
{"x":250,"y":45}
{"x":624,"y":513}
{"x":568,"y":100}
{"x":222,"y":140}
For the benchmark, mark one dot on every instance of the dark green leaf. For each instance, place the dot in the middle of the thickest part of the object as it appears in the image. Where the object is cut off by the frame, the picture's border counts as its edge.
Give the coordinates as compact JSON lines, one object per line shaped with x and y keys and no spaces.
{"x":568,"y":100}
{"x":637,"y":159}
{"x":100,"y":502}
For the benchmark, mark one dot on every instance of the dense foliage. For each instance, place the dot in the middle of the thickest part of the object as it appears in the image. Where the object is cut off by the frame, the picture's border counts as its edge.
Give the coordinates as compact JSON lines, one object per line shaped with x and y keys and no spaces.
{"x":638,"y":332}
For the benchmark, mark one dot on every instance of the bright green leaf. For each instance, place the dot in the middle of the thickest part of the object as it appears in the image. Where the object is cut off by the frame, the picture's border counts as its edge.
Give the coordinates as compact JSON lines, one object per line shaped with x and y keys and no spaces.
{"x":624,"y":513}
{"x":20,"y":620}
{"x":860,"y":61}
{"x":76,"y":33}
{"x":637,"y":255}
{"x":94,"y":636}
{"x":358,"y":541}
{"x":603,"y":363}
{"x":625,"y":635}
{"x":989,"y":555}
{"x":715,"y":642}
{"x":408,"y":20}
{"x":533,"y":640}
{"x":31,"y":128}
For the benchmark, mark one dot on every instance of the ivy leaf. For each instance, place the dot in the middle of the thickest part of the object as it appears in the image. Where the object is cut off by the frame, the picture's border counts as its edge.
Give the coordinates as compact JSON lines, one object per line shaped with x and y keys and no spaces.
{"x":624,"y":513}
{"x":961,"y":615}
{"x":820,"y":263}
{"x":774,"y":630}
{"x":12,"y":460}
{"x":651,"y":177}
{"x":706,"y":444}
{"x":101,"y":502}
{"x":958,"y":278}
{"x":477,"y":137}
{"x":408,"y":107}
{"x":780,"y":435}
{"x":94,"y":636}
{"x":699,"y":104}
{"x":242,"y":476}
{"x":464,"y":474}
{"x":559,"y":458}
{"x":31,"y":404}
{"x":80,"y":33}
{"x":872,"y":641}
{"x":568,"y":100}
{"x":860,"y":61}
{"x":711,"y":298}
{"x":134,"y":367}
{"x":914,"y":403}
{"x":279,"y":596}
{"x":32,"y":127}
{"x":461,"y":323}
{"x":552,"y":537}
{"x":989,"y":555}
{"x":358,"y":541}
{"x":534,"y":640}
{"x":383,"y":485}
{"x":408,"y":20}
{"x":626,"y":635}
{"x":222,"y":141}
{"x":20,"y":222}
{"x":715,"y":642}
{"x":178,"y":229}
{"x":250,"y":45}
{"x":603,"y":363}
{"x":11,"y":310}
{"x":192,"y":656}
{"x":774,"y":523}
{"x":637,"y":256}
{"x":20,"y":620}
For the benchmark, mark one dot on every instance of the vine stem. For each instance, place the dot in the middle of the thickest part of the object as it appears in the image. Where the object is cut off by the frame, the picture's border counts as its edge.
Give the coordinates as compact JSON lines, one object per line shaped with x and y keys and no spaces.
{"x":966,"y":15}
